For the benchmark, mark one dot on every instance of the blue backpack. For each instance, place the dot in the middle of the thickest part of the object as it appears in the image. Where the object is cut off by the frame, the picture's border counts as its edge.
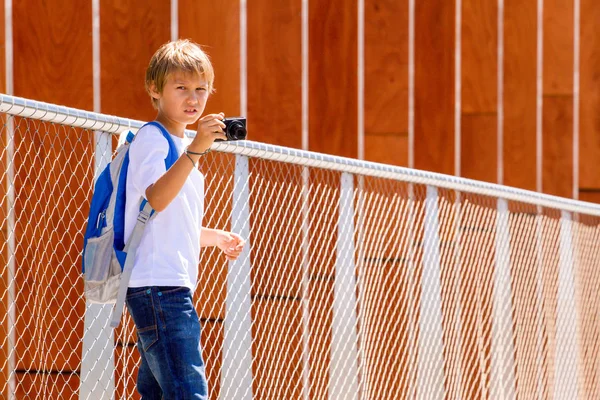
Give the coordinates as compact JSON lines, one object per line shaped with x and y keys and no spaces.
{"x":107,"y":260}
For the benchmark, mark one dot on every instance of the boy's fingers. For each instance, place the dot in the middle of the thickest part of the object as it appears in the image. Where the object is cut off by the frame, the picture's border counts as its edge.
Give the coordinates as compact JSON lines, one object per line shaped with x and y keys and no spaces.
{"x":214,"y":124}
{"x":214,"y":121}
{"x":233,"y":250}
{"x":231,"y":254}
{"x":212,"y":116}
{"x":238,"y":237}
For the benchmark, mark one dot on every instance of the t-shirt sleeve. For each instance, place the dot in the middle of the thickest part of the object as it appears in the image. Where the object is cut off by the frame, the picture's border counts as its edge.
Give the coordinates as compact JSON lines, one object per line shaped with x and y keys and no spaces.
{"x":147,"y":158}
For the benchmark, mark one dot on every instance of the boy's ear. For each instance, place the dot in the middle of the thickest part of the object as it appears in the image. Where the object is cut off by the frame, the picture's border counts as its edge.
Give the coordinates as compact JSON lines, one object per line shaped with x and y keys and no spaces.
{"x":153,"y":92}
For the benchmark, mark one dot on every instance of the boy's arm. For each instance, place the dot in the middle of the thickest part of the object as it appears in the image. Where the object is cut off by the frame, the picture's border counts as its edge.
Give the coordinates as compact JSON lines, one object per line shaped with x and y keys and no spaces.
{"x":162,"y":192}
{"x":231,"y":244}
{"x":165,"y":189}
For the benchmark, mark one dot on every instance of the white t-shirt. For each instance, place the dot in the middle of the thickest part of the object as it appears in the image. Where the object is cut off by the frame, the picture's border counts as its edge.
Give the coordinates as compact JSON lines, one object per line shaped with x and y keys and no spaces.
{"x":169,"y":250}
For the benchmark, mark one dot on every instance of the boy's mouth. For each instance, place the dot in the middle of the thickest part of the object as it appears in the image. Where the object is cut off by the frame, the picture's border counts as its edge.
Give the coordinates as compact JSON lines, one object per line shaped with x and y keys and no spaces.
{"x":191,"y":111}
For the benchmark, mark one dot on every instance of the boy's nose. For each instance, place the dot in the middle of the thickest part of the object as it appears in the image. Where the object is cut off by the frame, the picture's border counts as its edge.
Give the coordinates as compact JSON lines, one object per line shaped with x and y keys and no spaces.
{"x":193,"y":98}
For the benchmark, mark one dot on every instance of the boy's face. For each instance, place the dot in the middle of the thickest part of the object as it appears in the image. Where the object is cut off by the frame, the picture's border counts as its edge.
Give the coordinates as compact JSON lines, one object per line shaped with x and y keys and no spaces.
{"x":183,"y":98}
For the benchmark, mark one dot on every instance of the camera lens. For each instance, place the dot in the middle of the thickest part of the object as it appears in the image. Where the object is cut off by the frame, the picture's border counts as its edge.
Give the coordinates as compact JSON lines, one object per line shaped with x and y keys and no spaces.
{"x":236,"y":131}
{"x":235,"y":128}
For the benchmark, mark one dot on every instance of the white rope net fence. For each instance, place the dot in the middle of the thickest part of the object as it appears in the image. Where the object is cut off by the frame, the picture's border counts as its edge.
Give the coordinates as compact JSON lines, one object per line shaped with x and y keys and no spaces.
{"x":359,"y":281}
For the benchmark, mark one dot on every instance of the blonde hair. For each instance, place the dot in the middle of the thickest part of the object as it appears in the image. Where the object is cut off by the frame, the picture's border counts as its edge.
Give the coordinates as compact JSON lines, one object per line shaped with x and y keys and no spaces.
{"x":180,"y":55}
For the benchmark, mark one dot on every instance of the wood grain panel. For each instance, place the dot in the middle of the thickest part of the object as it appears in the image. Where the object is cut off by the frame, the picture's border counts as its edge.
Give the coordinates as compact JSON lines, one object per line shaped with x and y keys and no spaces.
{"x":386,"y":70}
{"x":557,"y":117}
{"x":519,"y":136}
{"x":557,"y":172}
{"x":479,"y":97}
{"x":434,"y":86}
{"x":558,"y":47}
{"x":323,"y":217}
{"x":130,"y":32}
{"x":275,"y":71}
{"x":277,"y":349}
{"x":5,"y":284}
{"x":478,"y":240}
{"x":275,"y":111}
{"x":125,"y":333}
{"x":4,"y":234}
{"x":383,"y":218}
{"x":384,"y":332}
{"x":2,"y":50}
{"x":215,"y":26}
{"x":53,"y":52}
{"x":589,"y":195}
{"x":589,"y":75}
{"x":333,"y":78}
{"x":218,"y":168}
{"x":127,"y":360}
{"x":277,"y":238}
{"x":383,"y":277}
{"x":523,"y":254}
{"x":387,"y":149}
{"x":46,"y":386}
{"x":52,"y":63}
{"x":49,"y":218}
{"x":479,"y":57}
{"x":417,"y":259}
{"x":320,"y":339}
{"x":479,"y":147}
{"x":586,"y":237}
{"x":549,"y":290}
{"x":450,"y":278}
{"x":212,"y":337}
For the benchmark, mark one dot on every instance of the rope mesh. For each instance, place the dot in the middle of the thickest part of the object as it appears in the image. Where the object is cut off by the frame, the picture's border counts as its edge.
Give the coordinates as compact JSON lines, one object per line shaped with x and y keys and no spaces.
{"x":360,"y":287}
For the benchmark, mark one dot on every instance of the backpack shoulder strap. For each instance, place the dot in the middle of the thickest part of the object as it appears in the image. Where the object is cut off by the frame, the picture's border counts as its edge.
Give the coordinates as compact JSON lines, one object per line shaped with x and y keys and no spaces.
{"x":130,"y":249}
{"x":173,"y":154}
{"x":146,"y":212}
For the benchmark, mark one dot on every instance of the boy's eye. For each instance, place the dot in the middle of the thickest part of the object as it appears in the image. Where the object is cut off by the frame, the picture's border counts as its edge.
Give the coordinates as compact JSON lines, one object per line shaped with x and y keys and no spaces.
{"x":201,"y":88}
{"x":181,"y":87}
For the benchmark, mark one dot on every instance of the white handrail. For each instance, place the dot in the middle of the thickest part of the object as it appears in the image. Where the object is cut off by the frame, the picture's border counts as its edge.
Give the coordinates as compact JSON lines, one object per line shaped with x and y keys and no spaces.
{"x":100,"y":122}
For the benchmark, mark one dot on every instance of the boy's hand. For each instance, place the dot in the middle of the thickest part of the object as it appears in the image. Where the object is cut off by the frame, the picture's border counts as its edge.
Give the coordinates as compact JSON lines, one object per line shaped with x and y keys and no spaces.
{"x":231,"y":244}
{"x":210,"y":127}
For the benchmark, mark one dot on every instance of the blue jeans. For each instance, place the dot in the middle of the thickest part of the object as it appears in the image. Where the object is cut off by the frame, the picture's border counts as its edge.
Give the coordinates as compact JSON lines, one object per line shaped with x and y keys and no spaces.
{"x":169,"y":343}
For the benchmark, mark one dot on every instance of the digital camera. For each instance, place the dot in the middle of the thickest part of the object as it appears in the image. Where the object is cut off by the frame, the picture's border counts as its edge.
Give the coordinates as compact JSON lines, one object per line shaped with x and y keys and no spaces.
{"x":235,"y":128}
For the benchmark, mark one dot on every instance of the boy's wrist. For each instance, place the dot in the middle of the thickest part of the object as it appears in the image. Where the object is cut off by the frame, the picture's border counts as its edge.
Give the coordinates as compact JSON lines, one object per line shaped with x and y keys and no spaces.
{"x":209,"y":237}
{"x":193,"y":159}
{"x":194,"y":152}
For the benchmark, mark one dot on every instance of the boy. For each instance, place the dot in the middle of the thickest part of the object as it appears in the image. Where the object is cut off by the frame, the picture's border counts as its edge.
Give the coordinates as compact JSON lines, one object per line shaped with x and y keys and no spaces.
{"x":179,"y":80}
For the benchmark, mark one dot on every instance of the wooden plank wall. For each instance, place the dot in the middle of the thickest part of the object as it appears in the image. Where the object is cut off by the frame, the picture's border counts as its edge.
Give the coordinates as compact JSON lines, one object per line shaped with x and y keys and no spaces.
{"x":508,"y":96}
{"x":479,"y":96}
{"x":589,"y":87}
{"x":5,"y":370}
{"x":519,"y":94}
{"x":51,"y":63}
{"x":386,"y":81}
{"x":557,"y":98}
{"x":434,"y":86}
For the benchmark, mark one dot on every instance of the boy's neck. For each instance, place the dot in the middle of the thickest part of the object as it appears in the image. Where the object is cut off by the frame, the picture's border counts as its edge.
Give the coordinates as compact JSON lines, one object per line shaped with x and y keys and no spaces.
{"x":172,"y":127}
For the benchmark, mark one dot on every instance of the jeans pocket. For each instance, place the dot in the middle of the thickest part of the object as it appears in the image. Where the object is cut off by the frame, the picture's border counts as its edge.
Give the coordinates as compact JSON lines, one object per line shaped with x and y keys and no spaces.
{"x":148,"y":336}
{"x":141,"y":308}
